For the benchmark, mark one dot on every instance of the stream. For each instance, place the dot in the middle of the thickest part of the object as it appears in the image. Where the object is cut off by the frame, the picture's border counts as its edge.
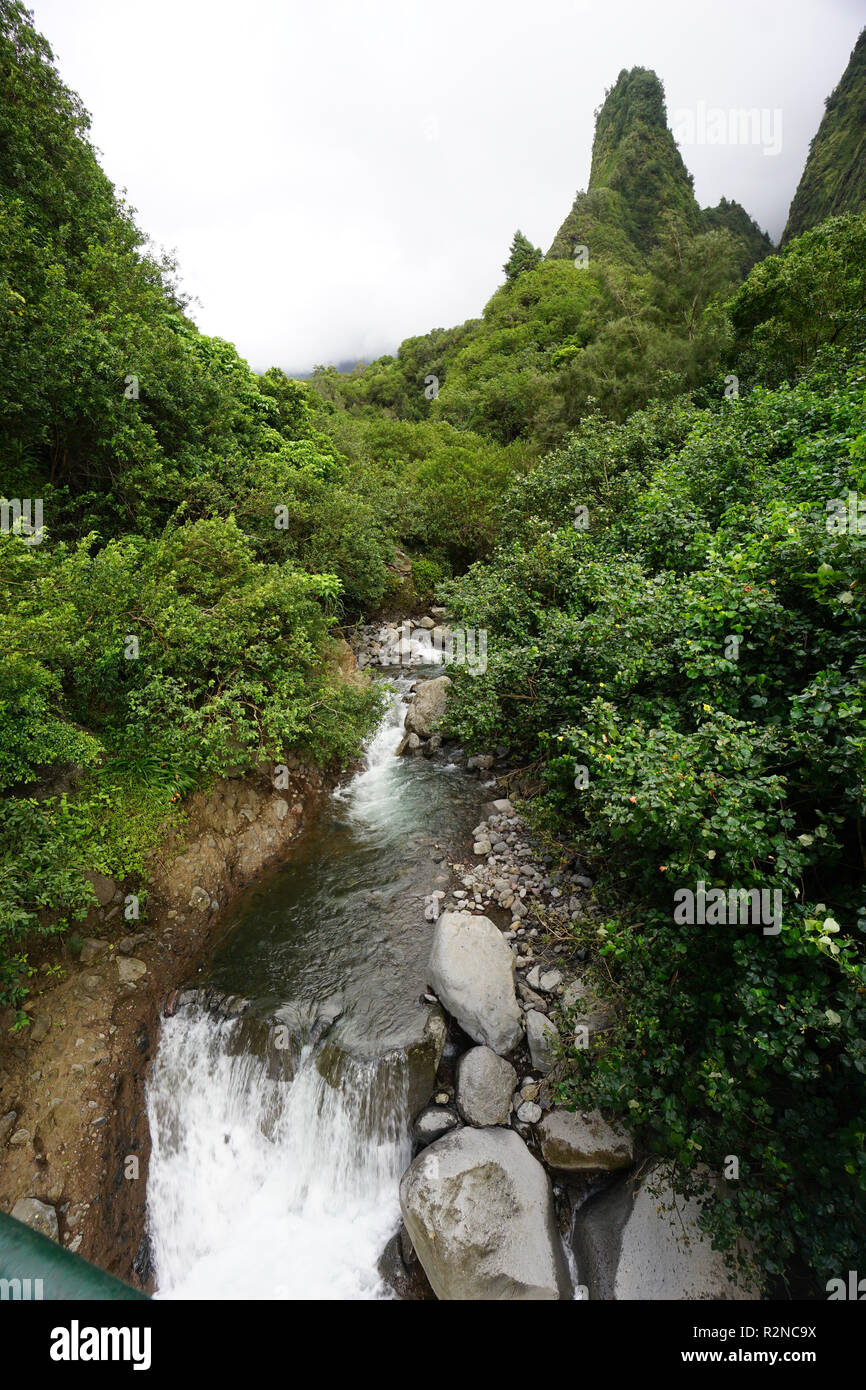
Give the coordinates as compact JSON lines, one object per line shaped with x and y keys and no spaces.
{"x":274,"y":1173}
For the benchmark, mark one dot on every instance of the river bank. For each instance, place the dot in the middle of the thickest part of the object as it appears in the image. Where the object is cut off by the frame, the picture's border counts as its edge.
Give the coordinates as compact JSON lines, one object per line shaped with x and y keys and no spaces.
{"x":73,"y":1129}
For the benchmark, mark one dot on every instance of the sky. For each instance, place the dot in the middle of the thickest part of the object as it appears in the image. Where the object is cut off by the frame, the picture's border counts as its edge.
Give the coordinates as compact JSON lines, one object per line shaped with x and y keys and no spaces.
{"x":336,"y":175}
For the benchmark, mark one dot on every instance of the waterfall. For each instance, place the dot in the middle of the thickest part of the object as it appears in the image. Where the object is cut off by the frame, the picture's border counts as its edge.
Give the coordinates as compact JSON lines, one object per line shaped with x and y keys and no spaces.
{"x":266,"y":1189}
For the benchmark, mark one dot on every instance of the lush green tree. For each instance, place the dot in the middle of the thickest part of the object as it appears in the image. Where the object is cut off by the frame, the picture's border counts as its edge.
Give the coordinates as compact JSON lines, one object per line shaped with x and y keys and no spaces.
{"x":810,"y":295}
{"x":522,"y":256}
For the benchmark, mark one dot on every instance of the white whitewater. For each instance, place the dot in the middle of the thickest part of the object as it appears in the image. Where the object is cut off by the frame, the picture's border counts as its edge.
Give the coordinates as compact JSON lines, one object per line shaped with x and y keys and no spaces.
{"x":264,"y":1189}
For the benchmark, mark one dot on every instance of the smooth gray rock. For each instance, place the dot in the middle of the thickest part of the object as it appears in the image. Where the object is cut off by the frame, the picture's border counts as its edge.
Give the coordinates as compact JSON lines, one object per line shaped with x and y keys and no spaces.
{"x":576,"y":1142}
{"x":428,"y":707}
{"x":541,"y":1038}
{"x":528,"y":1113}
{"x":432,"y":1123}
{"x":479,"y":1210}
{"x":485,"y":1082}
{"x":38,"y":1216}
{"x":550,"y":980}
{"x":471,"y":970}
{"x":638,"y":1241}
{"x":423,"y":1058}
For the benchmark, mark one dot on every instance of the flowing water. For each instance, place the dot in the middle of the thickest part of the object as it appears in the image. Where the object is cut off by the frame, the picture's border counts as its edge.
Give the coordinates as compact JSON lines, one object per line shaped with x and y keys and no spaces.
{"x":275,"y":1175}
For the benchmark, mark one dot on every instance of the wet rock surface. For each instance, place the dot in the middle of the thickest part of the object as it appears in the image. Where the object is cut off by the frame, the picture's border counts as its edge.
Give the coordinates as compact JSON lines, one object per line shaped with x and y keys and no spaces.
{"x":577,"y":1142}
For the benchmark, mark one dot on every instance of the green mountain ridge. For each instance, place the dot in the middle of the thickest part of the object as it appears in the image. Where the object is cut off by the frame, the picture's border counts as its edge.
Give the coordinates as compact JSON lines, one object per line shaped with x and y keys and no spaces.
{"x":612,"y":315}
{"x":834,"y":179}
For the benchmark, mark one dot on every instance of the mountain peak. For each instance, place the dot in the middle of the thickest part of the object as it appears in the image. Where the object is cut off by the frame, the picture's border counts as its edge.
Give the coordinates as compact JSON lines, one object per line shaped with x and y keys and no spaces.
{"x":637,"y":98}
{"x":638,"y":178}
{"x":637,"y":174}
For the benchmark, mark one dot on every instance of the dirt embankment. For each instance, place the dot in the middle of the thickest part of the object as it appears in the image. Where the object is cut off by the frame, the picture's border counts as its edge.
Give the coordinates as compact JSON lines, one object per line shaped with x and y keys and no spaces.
{"x":73,"y":1123}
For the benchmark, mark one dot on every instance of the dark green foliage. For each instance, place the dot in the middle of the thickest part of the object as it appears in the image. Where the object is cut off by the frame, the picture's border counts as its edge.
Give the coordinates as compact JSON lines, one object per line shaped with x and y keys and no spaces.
{"x":736,"y":764}
{"x":40,"y":889}
{"x":812,"y":295}
{"x":624,"y":307}
{"x":598,"y":221}
{"x":403,"y":386}
{"x":752,"y":245}
{"x":635,"y":155}
{"x":834,"y":179}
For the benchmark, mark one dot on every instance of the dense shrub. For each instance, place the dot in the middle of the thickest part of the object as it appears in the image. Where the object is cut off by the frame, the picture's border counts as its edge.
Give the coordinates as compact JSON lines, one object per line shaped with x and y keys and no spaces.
{"x":697,"y":650}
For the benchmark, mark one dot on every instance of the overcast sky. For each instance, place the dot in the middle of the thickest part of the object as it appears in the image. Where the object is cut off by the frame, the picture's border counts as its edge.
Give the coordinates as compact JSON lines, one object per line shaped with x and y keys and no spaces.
{"x":336,"y":175}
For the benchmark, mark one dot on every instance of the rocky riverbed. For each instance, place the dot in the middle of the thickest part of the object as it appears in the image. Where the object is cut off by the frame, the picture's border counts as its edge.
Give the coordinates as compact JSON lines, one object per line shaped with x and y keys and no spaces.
{"x":510,"y":1195}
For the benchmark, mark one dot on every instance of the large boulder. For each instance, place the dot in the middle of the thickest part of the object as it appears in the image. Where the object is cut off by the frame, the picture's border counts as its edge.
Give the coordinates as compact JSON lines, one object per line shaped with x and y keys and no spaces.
{"x":479,"y":1210}
{"x":638,"y":1240}
{"x":575,"y":1142}
{"x":485,"y":1084}
{"x":423,"y":1058}
{"x":428,"y":707}
{"x":471,"y":970}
